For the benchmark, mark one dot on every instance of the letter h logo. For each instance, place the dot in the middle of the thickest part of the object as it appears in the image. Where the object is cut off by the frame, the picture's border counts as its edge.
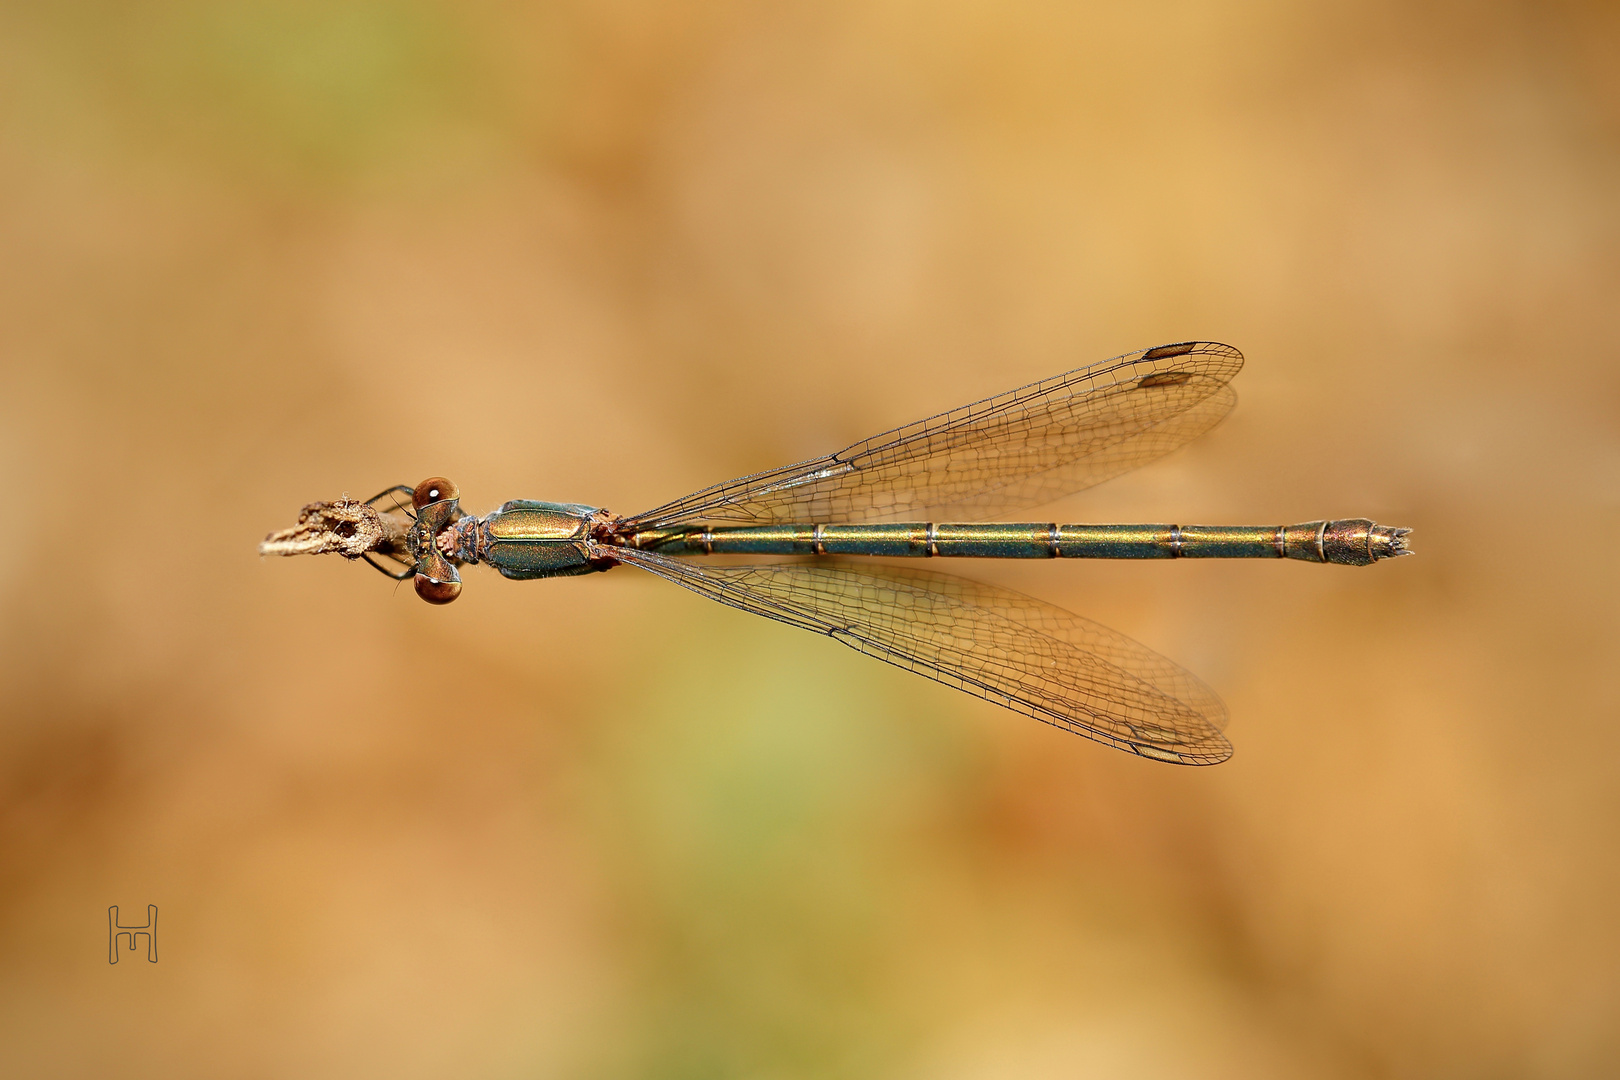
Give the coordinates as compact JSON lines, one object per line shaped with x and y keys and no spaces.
{"x":114,"y":932}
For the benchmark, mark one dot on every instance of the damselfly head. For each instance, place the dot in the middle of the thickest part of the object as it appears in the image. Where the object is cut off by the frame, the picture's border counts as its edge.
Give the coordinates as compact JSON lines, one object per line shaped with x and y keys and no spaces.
{"x":437,"y":504}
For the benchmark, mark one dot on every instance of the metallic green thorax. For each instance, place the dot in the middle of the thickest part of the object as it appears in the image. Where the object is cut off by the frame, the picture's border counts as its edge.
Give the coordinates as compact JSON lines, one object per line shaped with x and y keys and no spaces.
{"x":528,"y":539}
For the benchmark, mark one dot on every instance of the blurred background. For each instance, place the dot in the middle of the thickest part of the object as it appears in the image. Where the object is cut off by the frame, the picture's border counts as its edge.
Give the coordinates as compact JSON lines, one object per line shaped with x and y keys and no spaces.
{"x":259,"y":254}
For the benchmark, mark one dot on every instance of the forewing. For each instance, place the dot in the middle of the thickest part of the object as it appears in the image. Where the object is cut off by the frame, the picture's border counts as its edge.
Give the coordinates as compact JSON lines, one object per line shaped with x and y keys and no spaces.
{"x":994,"y":643}
{"x":1021,"y":448}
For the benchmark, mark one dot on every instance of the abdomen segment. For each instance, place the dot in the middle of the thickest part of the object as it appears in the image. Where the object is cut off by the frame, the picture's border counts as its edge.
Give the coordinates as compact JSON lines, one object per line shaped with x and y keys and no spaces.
{"x":1351,"y":542}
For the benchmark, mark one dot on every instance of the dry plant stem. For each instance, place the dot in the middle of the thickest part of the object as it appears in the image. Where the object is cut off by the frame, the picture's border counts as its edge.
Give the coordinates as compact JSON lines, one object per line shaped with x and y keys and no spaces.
{"x":345,"y":527}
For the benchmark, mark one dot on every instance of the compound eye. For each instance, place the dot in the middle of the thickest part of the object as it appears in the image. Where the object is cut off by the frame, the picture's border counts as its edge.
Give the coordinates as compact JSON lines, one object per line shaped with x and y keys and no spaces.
{"x":434,"y":489}
{"x":437,"y":592}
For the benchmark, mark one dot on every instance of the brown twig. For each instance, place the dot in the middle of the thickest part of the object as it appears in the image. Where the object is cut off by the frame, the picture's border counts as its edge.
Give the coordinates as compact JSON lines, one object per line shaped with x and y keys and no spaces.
{"x":345,"y":527}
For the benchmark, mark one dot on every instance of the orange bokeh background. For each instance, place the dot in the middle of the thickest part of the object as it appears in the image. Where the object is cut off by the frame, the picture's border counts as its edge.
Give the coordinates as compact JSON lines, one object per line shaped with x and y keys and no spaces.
{"x":265,"y":253}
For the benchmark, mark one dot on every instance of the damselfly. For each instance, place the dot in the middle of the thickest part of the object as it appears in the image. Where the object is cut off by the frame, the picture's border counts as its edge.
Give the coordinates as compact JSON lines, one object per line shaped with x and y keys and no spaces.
{"x":896,"y":495}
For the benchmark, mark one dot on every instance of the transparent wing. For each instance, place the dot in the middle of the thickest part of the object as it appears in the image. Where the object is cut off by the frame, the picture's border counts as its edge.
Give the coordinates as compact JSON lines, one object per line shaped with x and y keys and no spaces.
{"x":1021,"y":448}
{"x":996,"y":644}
